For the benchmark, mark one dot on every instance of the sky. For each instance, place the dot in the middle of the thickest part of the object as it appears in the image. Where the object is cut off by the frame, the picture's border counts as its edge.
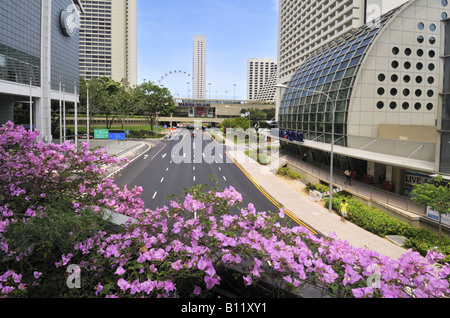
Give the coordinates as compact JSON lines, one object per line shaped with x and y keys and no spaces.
{"x":236,"y":31}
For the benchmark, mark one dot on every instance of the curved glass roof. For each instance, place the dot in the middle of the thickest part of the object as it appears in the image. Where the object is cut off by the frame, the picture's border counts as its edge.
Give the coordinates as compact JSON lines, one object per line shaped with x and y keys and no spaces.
{"x":327,"y":75}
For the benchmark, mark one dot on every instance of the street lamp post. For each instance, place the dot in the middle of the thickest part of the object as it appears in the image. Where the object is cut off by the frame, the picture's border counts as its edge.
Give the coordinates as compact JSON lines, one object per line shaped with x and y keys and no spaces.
{"x":64,"y":112}
{"x":31,"y":104}
{"x":87,"y":112}
{"x":76,"y":116}
{"x":60,"y":113}
{"x":330,"y":206}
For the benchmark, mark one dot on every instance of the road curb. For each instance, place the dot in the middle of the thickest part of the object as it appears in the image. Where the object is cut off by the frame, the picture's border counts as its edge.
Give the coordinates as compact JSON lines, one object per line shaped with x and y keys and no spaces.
{"x":124,"y":155}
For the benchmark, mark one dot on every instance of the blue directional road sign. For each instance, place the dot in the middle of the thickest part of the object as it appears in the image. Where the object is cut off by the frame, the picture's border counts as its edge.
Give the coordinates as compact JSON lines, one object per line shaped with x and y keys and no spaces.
{"x":116,"y":136}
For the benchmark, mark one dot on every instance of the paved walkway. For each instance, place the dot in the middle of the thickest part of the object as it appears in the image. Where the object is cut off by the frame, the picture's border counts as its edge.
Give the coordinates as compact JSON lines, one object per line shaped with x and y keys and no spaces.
{"x":314,"y":214}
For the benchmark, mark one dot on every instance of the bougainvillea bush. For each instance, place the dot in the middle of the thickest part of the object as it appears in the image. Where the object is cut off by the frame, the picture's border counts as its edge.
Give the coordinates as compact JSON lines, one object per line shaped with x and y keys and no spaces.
{"x":204,"y":244}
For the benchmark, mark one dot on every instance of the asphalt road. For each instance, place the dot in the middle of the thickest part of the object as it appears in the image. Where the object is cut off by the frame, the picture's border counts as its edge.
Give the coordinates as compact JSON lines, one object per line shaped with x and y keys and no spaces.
{"x":174,"y":165}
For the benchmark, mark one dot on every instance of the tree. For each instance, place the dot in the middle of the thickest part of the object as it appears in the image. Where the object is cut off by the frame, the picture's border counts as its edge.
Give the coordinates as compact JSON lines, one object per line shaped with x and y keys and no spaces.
{"x":154,"y":101}
{"x":126,"y":100}
{"x":436,"y":197}
{"x":236,"y":122}
{"x":103,"y":92}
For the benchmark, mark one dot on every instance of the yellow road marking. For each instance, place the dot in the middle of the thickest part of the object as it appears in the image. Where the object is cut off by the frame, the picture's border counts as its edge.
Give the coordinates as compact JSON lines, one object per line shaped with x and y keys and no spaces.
{"x":268,"y":196}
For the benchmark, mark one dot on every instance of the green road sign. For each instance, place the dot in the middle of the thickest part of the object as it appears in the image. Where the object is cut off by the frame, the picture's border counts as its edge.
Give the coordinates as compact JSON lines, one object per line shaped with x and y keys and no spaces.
{"x":101,"y":134}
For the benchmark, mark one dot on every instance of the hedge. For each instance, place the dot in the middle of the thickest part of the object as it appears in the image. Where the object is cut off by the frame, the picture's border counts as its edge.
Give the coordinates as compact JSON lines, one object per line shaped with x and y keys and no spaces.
{"x":381,"y":224}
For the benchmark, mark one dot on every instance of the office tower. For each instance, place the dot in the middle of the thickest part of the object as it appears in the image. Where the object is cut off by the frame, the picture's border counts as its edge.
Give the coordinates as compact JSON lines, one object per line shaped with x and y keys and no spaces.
{"x":199,"y":67}
{"x":38,"y":61}
{"x":306,"y":25}
{"x":108,"y":40}
{"x":260,"y":73}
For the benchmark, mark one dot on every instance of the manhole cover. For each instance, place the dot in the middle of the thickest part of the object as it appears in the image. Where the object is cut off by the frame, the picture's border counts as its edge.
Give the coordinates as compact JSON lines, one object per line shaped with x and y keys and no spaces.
{"x":397,"y":239}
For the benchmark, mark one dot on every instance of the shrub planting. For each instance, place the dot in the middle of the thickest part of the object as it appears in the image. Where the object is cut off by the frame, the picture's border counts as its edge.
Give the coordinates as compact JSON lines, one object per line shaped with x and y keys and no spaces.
{"x":54,"y":201}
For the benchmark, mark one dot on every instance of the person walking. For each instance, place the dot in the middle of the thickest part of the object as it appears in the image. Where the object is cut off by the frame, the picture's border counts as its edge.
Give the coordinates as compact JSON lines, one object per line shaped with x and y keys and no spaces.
{"x":343,"y":210}
{"x":348,"y":177}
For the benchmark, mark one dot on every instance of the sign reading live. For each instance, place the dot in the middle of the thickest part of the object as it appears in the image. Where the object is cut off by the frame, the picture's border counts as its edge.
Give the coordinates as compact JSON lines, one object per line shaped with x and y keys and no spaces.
{"x":412,"y":178}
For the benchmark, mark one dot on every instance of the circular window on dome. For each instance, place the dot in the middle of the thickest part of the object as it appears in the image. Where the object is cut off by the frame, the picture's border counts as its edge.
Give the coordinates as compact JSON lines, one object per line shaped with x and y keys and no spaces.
{"x":432,"y":54}
{"x":419,"y":79}
{"x":430,"y":80}
{"x":380,"y":91}
{"x":407,"y":65}
{"x":444,"y":3}
{"x":394,"y":78}
{"x":430,"y":93}
{"x":432,"y":27}
{"x":394,"y":91}
{"x":418,"y":92}
{"x":405,"y":105}
{"x":432,"y":40}
{"x":395,"y":50}
{"x":380,"y":105}
{"x":419,"y":66}
{"x":408,"y":51}
{"x":393,"y":105}
{"x":420,"y":39}
{"x":430,"y":106}
{"x":394,"y":64}
{"x":381,"y":77}
{"x":419,"y":52}
{"x":431,"y":67}
{"x":406,"y":92}
{"x":417,"y":106}
{"x":406,"y":78}
{"x":444,"y":15}
{"x":420,"y":26}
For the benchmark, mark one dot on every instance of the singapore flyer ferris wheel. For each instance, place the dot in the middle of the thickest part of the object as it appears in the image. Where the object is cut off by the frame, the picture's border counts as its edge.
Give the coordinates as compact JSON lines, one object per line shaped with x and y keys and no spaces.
{"x":174,"y":73}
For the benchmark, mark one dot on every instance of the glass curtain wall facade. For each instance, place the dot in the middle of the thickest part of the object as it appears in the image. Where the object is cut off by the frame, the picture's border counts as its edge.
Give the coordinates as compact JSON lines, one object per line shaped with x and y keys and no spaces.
{"x":325,"y":81}
{"x":64,"y":52}
{"x":20,"y":41}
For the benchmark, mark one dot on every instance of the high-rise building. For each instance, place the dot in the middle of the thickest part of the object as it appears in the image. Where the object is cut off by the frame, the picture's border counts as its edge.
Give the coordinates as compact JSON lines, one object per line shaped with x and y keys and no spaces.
{"x":199,"y":67}
{"x":38,"y":61}
{"x":108,"y":40}
{"x":306,"y":25}
{"x":259,"y":75}
{"x":380,"y":94}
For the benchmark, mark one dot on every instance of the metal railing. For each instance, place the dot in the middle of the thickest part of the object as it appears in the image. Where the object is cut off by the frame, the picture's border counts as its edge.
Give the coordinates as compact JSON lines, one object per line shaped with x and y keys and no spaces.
{"x":370,"y":192}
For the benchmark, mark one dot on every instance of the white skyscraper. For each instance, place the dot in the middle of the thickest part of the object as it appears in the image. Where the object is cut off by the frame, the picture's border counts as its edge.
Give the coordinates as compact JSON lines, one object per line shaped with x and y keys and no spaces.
{"x":306,"y":25}
{"x":199,"y":71}
{"x":259,"y":75}
{"x":108,"y":40}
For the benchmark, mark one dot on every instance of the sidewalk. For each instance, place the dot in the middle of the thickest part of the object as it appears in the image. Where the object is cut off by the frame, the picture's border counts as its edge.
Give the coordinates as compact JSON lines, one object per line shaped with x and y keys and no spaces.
{"x":315,"y":215}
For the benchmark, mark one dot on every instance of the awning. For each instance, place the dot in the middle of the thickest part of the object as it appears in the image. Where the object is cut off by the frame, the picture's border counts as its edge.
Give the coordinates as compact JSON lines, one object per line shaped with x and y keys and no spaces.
{"x":390,"y":160}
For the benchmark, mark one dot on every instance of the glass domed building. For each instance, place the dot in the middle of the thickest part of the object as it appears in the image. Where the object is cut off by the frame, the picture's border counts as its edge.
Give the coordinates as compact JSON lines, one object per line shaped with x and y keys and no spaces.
{"x":387,"y":87}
